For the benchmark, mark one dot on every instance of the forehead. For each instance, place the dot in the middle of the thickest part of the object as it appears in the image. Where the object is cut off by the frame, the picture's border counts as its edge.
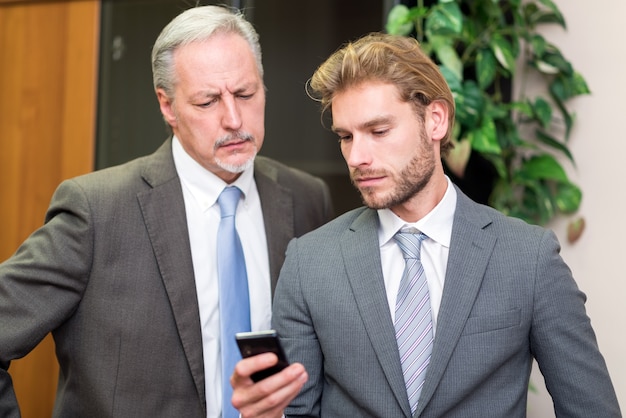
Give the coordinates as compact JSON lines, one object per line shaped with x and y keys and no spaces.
{"x":222,"y":57}
{"x":365,"y":102}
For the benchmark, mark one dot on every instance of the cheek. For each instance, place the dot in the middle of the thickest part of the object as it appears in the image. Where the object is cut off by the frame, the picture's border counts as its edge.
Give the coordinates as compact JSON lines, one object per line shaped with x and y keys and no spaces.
{"x":255,"y":115}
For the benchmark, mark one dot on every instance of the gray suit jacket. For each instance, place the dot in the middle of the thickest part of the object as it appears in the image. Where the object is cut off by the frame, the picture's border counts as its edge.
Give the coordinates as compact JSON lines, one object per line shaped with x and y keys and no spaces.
{"x":110,"y":275}
{"x":508,"y":298}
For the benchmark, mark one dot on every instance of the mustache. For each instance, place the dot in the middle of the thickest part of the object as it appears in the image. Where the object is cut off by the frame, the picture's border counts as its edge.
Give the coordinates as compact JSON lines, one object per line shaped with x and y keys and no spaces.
{"x":360,"y":173}
{"x":239,"y":135}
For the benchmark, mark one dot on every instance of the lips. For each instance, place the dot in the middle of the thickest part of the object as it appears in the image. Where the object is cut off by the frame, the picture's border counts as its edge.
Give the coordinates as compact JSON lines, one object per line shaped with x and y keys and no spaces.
{"x":234,"y":144}
{"x":368,"y":180}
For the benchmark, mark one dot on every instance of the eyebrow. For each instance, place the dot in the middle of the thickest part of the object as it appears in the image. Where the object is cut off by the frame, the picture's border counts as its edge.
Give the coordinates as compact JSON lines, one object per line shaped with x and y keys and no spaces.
{"x":379,"y":120}
{"x":210,"y":92}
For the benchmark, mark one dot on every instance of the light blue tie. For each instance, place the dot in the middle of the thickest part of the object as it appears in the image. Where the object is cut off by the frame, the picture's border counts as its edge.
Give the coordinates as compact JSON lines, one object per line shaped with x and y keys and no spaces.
{"x":413,"y":323}
{"x":233,"y":288}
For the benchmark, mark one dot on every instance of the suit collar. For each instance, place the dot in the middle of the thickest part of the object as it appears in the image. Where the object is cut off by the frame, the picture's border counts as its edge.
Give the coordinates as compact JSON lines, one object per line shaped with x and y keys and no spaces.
{"x":365,"y":277}
{"x":166,"y":222}
{"x":159,"y":168}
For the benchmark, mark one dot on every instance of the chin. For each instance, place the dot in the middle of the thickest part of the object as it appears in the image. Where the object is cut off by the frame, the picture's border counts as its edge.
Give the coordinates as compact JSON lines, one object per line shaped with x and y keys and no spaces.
{"x":371,"y":200}
{"x":236,"y":165}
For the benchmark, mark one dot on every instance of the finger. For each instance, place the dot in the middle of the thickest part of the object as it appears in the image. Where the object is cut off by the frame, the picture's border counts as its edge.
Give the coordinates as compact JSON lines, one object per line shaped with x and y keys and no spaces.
{"x":270,"y":396}
{"x":248,"y":366}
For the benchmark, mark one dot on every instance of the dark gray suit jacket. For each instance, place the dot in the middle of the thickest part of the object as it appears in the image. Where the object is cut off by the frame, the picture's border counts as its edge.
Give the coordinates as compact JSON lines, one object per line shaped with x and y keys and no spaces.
{"x":110,"y":275}
{"x":508,"y":298}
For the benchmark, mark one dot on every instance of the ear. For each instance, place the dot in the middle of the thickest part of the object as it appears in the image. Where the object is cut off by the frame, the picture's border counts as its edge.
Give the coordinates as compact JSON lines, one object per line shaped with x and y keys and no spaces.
{"x":165,"y":103}
{"x":437,"y":119}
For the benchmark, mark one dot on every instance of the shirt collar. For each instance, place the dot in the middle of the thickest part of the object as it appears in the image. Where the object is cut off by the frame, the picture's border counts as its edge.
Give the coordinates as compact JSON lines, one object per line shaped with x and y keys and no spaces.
{"x":204,"y":186}
{"x":437,"y":224}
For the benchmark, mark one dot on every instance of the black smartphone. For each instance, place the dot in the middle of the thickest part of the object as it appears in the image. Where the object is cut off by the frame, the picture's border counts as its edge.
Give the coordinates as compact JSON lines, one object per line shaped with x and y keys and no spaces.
{"x":257,"y":342}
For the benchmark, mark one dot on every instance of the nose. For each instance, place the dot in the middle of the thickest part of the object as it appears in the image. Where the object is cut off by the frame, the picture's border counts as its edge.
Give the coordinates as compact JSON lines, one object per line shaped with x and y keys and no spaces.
{"x":231,"y":118}
{"x":356,"y":152}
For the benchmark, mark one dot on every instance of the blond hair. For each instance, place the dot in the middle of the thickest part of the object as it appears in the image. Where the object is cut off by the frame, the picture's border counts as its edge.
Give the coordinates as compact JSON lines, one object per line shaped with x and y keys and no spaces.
{"x":397,"y":60}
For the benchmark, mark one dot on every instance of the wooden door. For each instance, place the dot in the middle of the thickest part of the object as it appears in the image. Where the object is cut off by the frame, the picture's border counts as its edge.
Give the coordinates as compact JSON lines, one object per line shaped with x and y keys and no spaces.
{"x":48,"y":73}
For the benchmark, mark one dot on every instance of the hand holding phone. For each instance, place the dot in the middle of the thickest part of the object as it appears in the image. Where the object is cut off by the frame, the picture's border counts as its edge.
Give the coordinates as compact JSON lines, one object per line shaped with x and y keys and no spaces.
{"x":258,"y":342}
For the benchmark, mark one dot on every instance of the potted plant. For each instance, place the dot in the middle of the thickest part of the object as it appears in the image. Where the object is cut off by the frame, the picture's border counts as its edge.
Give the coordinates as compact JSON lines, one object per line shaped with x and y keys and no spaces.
{"x":481,"y":45}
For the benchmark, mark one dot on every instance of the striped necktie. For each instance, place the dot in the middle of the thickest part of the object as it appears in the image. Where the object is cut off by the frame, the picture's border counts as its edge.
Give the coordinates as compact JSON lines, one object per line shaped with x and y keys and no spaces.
{"x":413,"y":322}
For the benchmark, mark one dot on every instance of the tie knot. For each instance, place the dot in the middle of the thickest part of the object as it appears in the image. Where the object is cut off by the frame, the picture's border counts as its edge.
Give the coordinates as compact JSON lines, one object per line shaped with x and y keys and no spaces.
{"x":228,"y":200}
{"x":409,"y":241}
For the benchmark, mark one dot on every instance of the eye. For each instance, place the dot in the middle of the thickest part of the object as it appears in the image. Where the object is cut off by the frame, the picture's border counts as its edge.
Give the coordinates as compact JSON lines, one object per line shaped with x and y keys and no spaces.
{"x":245,"y":96}
{"x":207,"y":103}
{"x":380,"y":132}
{"x":343,"y":138}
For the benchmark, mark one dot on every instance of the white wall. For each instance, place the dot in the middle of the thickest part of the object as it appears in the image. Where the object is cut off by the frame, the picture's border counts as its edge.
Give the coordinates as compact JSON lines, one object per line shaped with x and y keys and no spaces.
{"x":594,"y":44}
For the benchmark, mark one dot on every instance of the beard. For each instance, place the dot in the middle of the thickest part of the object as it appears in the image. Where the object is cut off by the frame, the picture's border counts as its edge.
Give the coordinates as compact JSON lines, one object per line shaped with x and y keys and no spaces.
{"x":408,"y":182}
{"x":235,"y":168}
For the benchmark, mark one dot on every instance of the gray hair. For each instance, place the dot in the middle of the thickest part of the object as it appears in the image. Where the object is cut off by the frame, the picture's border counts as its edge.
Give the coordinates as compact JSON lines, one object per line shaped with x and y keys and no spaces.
{"x":197,"y":24}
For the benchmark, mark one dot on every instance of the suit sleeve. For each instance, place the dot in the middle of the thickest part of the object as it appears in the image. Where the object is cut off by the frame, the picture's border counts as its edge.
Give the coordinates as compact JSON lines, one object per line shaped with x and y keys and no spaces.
{"x":42,"y":283}
{"x":314,"y":206}
{"x":329,"y":210}
{"x":295,"y":328}
{"x":563,"y":341}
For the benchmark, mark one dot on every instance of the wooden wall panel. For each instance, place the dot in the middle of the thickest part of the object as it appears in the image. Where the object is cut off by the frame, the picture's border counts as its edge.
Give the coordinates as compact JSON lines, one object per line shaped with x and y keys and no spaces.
{"x":48,"y":84}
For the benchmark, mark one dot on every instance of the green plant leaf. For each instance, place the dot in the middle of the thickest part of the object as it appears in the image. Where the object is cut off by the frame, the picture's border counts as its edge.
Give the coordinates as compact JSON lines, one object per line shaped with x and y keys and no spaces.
{"x":484,"y":139}
{"x":398,"y":21}
{"x":563,"y":88}
{"x":445,"y":19}
{"x":545,"y":68}
{"x":525,"y":108}
{"x":549,"y":18}
{"x":542,"y":167}
{"x":501,"y":196}
{"x":568,"y":197}
{"x":498,"y":110}
{"x":567,"y":87}
{"x":542,"y":111}
{"x":548,"y":13}
{"x":469,"y":105}
{"x":507,"y":131}
{"x":538,"y":44}
{"x":578,"y":84}
{"x":542,"y":203}
{"x":485,"y":67}
{"x":453,"y":79}
{"x":503,"y":52}
{"x":552,"y":16}
{"x":552,"y":62}
{"x":448,"y":57}
{"x":552,"y":142}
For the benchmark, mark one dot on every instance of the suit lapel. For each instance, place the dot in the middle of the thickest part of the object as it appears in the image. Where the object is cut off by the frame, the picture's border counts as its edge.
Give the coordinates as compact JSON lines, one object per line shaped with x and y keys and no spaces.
{"x":166,"y":222}
{"x":470,"y":249}
{"x":361,"y":254}
{"x":278,"y":216}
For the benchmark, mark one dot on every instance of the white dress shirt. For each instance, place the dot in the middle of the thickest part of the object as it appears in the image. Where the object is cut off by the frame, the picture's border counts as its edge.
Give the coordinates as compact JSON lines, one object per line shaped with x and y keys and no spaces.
{"x":201,"y":189}
{"x":437,"y":225}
